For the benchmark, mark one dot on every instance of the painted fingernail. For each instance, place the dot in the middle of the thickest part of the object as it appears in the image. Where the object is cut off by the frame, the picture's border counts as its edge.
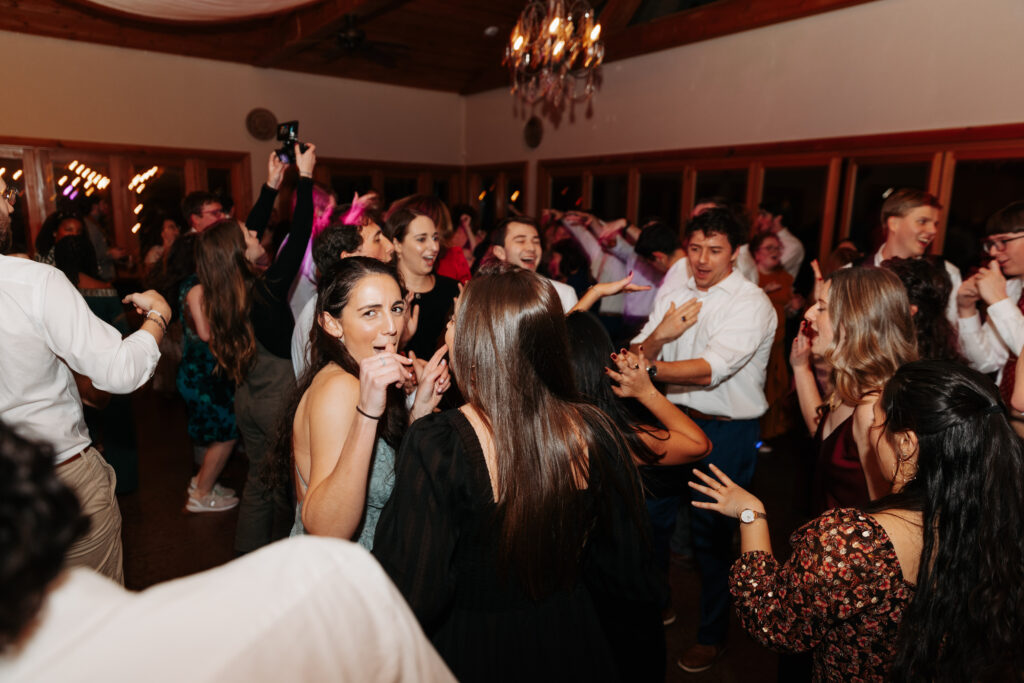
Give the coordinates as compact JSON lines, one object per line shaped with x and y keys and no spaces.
{"x":615,"y":356}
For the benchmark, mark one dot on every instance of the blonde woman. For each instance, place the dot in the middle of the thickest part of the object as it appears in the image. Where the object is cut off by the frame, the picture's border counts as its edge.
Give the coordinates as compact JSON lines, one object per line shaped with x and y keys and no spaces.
{"x":861,"y":326}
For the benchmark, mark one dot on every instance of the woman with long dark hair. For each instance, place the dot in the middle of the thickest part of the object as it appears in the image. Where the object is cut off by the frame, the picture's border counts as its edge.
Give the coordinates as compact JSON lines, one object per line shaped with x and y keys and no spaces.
{"x":515,"y":526}
{"x":350,"y":408}
{"x":250,"y":324}
{"x":926,"y":584}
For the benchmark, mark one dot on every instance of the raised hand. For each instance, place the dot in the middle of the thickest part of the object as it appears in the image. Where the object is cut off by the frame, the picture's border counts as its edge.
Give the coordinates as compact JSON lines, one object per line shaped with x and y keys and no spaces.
{"x":275,"y":171}
{"x":305,"y":161}
{"x":728,"y":498}
{"x":376,"y":373}
{"x":677,"y":320}
{"x":991,"y":283}
{"x":433,"y":379}
{"x":632,"y":376}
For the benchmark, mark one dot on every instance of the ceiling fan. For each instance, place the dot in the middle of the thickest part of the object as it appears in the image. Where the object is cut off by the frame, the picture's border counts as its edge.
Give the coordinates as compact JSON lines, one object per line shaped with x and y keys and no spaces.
{"x":350,"y":42}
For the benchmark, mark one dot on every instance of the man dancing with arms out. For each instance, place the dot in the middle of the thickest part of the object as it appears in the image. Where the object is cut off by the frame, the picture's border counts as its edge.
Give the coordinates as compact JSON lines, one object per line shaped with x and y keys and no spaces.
{"x":711,"y":340}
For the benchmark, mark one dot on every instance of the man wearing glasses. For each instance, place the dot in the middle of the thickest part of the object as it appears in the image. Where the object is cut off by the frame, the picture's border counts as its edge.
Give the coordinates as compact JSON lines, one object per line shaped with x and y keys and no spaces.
{"x":201,"y":210}
{"x":995,"y":345}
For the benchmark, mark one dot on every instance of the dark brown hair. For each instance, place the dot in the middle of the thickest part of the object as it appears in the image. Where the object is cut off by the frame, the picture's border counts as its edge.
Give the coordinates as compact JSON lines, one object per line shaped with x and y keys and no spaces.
{"x":510,"y":332}
{"x":227,"y":278}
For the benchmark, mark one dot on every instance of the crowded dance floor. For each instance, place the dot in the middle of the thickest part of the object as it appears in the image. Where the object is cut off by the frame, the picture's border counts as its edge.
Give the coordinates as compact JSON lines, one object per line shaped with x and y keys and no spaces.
{"x":438,"y":340}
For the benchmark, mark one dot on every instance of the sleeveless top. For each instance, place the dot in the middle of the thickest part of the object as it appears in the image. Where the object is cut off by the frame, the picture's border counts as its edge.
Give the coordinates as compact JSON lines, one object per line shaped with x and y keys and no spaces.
{"x":379,"y":487}
{"x":838,"y":478}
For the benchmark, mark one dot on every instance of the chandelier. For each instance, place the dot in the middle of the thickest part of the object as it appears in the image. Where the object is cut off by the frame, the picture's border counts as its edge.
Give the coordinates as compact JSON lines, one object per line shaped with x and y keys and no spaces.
{"x":554,"y":52}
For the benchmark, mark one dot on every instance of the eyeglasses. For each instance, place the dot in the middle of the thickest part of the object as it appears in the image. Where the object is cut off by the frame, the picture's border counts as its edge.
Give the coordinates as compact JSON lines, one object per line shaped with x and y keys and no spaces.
{"x":10,"y":195}
{"x":219,"y":213}
{"x":999,"y":244}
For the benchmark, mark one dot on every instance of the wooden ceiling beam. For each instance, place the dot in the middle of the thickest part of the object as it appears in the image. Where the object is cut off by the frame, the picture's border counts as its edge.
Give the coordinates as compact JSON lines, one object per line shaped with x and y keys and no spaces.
{"x":305,"y":27}
{"x":616,"y":15}
{"x":712,"y":21}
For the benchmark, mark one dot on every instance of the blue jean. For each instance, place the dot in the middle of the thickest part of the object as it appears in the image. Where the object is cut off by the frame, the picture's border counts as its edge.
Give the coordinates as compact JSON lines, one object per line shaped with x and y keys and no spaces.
{"x":734,"y":452}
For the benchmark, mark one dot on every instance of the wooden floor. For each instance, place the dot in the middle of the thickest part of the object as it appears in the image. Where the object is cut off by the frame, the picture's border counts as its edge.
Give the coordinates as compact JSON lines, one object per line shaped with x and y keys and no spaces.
{"x":162,"y":541}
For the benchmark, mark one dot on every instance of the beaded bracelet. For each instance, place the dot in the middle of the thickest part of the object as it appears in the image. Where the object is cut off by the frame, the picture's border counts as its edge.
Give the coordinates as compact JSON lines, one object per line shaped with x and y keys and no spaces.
{"x":159,"y":319}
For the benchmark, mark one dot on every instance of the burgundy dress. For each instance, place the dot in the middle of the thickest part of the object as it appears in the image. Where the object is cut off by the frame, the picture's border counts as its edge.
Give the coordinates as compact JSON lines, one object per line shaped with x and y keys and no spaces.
{"x":838,"y":478}
{"x":841,"y":595}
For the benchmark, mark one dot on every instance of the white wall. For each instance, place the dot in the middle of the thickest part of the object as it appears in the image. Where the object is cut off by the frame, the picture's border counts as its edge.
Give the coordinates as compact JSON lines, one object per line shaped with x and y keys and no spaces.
{"x":79,"y":91}
{"x":884,"y":66}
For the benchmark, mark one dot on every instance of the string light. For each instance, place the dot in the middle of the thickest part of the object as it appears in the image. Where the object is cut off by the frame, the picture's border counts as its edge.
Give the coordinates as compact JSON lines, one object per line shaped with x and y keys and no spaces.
{"x":137,"y":209}
{"x":63,"y":179}
{"x":72,"y":165}
{"x":17,"y":174}
{"x":135,"y":228}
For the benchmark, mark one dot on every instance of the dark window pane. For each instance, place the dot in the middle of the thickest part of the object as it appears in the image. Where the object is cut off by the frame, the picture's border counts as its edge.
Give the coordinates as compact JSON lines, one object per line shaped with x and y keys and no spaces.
{"x":397,"y":187}
{"x":980,"y":188}
{"x":442,"y":189}
{"x":608,"y":196}
{"x":872,"y":182}
{"x":13,"y":175}
{"x":516,"y":197}
{"x":487,"y":201}
{"x":799,"y":195}
{"x":728,"y":183}
{"x":567,"y":193}
{"x":162,"y":191}
{"x":218,"y":181}
{"x":661,"y":197}
{"x":345,"y":186}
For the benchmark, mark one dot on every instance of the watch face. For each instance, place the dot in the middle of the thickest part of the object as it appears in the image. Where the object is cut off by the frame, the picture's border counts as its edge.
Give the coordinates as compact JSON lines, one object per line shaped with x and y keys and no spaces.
{"x":747,"y":516}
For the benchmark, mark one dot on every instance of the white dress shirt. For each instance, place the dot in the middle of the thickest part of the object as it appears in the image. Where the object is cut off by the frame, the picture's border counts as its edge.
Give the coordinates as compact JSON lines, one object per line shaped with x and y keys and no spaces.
{"x":300,"y":337}
{"x":733,"y":334}
{"x":987,"y":347}
{"x":637,"y":304}
{"x":676,"y":278}
{"x":792,"y":256}
{"x":45,"y":327}
{"x":302,"y":609}
{"x":603,"y":266}
{"x":566,"y":294}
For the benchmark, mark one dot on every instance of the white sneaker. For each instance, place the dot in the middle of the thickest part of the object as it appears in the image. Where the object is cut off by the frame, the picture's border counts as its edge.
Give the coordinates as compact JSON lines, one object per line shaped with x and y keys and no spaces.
{"x":217,"y":488}
{"x":211,"y":502}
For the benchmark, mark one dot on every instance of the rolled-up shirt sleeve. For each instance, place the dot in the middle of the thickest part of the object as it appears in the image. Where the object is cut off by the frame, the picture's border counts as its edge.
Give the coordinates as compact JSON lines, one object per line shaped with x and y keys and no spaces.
{"x":90,"y":346}
{"x":735,"y":341}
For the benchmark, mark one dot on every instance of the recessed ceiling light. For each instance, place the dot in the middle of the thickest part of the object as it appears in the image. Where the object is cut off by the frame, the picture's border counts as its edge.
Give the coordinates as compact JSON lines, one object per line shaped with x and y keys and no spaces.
{"x":491,"y":31}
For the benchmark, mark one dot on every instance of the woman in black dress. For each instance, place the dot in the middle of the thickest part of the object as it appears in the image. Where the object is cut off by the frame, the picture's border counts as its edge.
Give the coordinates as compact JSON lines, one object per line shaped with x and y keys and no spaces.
{"x":515,"y":528}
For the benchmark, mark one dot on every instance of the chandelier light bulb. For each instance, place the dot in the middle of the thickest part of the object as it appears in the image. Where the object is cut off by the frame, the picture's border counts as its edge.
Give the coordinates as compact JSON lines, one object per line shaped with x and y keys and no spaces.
{"x":595,"y":33}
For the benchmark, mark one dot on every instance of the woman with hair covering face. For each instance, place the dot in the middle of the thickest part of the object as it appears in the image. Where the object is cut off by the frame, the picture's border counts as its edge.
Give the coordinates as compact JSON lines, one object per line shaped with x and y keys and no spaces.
{"x":515,"y":526}
{"x":926,"y":584}
{"x":861,"y":326}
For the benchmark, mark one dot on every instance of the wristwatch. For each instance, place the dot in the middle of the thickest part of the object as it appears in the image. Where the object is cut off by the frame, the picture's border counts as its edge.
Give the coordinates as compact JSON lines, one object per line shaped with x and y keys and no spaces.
{"x":748,"y":516}
{"x":652,"y":371}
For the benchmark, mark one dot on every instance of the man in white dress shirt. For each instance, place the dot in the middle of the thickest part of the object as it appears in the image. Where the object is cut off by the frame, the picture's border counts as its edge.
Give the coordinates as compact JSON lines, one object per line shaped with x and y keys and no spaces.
{"x":714,"y":369}
{"x":48,"y":331}
{"x":517,"y":241}
{"x":995,"y":345}
{"x":911,"y":220}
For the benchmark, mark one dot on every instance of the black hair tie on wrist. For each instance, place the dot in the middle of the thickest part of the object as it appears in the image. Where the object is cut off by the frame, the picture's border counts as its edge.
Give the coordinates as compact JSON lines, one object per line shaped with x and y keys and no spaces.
{"x":367,"y":415}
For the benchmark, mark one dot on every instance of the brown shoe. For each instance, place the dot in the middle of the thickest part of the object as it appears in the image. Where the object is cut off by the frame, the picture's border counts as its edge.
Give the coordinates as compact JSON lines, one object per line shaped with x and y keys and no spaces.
{"x":700,"y":657}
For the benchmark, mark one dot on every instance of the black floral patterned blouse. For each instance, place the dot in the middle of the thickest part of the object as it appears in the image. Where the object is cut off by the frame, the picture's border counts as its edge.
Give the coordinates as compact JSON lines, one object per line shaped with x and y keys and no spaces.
{"x":841,"y":594}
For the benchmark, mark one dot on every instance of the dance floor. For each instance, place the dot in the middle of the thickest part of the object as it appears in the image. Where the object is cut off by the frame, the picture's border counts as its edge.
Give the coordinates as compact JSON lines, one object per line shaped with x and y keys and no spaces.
{"x":162,"y":541}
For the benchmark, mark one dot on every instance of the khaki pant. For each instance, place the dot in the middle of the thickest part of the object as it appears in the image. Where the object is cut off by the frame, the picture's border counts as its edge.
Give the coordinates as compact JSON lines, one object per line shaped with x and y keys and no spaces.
{"x":93,"y":481}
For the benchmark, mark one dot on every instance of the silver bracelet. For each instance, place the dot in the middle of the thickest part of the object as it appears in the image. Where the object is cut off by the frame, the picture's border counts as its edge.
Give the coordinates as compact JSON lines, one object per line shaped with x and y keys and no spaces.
{"x":159,"y":319}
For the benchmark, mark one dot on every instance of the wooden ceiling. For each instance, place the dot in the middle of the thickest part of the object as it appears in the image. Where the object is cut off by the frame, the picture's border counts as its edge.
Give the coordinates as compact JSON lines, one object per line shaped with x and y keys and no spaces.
{"x":435,"y":44}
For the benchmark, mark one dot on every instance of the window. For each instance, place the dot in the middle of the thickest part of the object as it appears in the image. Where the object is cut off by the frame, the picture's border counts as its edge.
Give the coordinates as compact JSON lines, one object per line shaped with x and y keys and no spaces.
{"x":980,"y":188}
{"x":396,"y":187}
{"x":728,"y":183}
{"x":609,"y":196}
{"x":12,"y":173}
{"x":661,"y":197}
{"x":872,"y":182}
{"x":567,"y":193}
{"x":799,"y":194}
